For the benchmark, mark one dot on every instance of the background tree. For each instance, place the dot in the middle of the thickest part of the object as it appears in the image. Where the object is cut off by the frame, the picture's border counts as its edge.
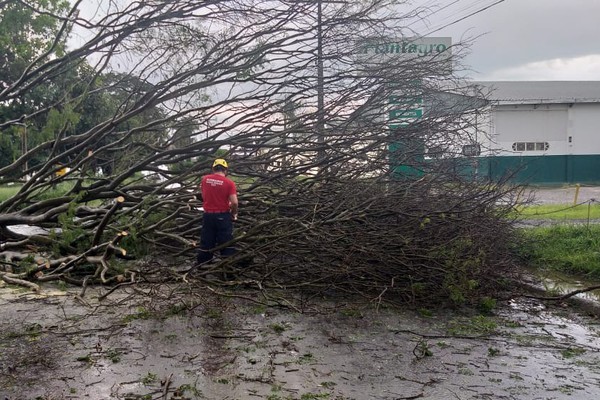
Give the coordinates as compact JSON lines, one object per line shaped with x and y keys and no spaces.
{"x":26,"y":35}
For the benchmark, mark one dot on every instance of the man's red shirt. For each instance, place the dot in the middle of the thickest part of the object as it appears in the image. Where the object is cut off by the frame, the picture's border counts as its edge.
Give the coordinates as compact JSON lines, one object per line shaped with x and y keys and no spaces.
{"x":216,"y":190}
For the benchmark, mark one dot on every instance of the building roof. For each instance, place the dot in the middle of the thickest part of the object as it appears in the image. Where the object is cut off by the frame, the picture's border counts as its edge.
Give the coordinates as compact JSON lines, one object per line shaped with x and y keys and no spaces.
{"x":538,"y":92}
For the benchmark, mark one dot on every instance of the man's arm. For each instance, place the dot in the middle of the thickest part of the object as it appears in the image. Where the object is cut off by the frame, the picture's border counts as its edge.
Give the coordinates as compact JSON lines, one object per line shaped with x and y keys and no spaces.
{"x":200,"y":194}
{"x":233,"y":206}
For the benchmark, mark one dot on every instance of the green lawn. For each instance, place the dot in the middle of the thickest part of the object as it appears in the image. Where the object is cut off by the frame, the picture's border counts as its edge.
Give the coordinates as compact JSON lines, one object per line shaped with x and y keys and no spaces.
{"x":573,"y":249}
{"x":7,"y":192}
{"x":569,"y":248}
{"x":60,"y":189}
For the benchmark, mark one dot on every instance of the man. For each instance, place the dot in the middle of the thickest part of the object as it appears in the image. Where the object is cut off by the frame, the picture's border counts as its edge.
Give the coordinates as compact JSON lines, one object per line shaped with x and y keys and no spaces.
{"x":220,"y":203}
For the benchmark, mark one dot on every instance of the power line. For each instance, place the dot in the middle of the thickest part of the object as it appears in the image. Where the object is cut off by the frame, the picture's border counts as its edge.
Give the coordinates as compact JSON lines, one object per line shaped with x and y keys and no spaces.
{"x":433,"y":12}
{"x":462,"y":10}
{"x":466,"y":16}
{"x":440,"y":24}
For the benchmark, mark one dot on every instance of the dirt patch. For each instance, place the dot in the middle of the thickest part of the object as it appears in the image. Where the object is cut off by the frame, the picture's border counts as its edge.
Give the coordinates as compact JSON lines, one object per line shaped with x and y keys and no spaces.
{"x":174,"y":343}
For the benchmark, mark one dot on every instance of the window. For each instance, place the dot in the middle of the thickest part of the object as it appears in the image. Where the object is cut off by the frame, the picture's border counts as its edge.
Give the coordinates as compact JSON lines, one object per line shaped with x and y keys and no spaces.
{"x":471,"y":150}
{"x":530,"y":146}
{"x":518,"y":146}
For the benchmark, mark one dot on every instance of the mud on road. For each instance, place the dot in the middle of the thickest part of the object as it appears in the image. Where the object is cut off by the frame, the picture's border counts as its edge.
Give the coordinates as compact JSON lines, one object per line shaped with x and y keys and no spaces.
{"x":173,"y":343}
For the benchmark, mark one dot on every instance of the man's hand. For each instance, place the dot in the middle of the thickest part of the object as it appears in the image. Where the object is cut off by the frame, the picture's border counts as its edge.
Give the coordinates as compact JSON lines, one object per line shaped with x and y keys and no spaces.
{"x":234,"y":217}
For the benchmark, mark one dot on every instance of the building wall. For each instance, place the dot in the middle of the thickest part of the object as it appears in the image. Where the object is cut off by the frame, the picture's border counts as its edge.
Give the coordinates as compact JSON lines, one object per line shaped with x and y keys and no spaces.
{"x":543,"y":143}
{"x":585,"y":128}
{"x":531,"y":124}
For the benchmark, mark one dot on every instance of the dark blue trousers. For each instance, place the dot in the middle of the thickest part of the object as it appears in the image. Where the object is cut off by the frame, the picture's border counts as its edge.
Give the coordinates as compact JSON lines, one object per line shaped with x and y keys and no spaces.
{"x":217,"y":228}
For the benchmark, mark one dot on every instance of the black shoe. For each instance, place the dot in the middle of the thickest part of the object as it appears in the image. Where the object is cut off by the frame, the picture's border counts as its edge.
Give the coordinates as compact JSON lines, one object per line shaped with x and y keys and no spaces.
{"x":244,"y":263}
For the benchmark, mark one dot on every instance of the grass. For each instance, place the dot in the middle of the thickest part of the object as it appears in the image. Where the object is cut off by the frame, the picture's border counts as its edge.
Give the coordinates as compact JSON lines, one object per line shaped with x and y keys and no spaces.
{"x":477,"y":325}
{"x":560,"y":211}
{"x":573,"y":249}
{"x":278,"y":328}
{"x":6,"y":192}
{"x":58,"y":190}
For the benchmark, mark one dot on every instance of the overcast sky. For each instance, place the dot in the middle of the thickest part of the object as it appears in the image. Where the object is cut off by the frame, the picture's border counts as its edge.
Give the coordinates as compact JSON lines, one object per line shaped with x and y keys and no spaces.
{"x":523,"y":39}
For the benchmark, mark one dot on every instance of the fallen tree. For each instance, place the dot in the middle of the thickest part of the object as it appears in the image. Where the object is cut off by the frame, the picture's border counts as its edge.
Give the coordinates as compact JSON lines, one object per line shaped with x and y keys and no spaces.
{"x":333,"y":196}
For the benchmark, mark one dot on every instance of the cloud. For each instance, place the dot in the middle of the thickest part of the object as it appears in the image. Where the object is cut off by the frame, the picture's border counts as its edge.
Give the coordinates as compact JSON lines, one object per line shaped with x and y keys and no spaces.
{"x":585,"y":68}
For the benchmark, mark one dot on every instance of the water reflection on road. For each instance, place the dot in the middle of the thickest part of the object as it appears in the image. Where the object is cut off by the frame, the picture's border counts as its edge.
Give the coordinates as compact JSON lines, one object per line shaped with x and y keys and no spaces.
{"x":559,"y":283}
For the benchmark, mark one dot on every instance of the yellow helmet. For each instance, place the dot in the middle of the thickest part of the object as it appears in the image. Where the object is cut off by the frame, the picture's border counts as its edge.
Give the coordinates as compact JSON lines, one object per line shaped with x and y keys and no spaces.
{"x":221,"y":162}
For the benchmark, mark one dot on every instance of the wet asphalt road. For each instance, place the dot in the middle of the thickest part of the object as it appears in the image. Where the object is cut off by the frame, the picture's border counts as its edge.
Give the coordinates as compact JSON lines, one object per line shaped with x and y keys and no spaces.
{"x":565,"y":194}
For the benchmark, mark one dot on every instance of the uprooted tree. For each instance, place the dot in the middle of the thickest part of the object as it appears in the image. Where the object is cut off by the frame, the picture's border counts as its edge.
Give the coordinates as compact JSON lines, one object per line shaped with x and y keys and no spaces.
{"x":109,"y":132}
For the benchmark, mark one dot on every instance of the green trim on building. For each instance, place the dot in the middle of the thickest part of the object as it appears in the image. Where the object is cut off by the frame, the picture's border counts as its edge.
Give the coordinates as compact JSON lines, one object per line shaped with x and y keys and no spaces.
{"x":540,"y":169}
{"x":549,"y":170}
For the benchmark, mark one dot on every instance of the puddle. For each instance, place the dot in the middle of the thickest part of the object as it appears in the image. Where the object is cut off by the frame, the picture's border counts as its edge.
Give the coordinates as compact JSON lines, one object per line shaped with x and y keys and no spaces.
{"x":555,"y":282}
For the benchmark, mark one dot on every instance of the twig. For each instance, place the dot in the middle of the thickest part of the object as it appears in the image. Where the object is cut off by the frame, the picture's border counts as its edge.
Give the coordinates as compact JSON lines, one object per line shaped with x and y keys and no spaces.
{"x":105,"y":295}
{"x":416,"y":396}
{"x":166,"y":385}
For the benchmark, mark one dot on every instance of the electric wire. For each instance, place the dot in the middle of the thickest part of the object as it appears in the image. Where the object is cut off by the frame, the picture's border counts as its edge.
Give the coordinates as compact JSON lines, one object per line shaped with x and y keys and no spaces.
{"x":461,"y":11}
{"x":432,"y":12}
{"x":465,"y":17}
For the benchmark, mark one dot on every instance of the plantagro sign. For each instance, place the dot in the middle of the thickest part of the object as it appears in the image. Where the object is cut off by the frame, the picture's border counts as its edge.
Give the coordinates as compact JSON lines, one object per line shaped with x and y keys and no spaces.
{"x":384,"y":51}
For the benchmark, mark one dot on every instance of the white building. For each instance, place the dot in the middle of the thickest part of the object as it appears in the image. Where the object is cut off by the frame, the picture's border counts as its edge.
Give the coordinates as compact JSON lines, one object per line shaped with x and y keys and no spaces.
{"x":543,"y":131}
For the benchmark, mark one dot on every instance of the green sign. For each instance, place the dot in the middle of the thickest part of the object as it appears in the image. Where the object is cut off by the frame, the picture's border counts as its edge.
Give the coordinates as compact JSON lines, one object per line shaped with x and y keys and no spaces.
{"x":405,"y":107}
{"x":403,"y":114}
{"x":406,"y":158}
{"x":420,"y":46}
{"x":375,"y":51}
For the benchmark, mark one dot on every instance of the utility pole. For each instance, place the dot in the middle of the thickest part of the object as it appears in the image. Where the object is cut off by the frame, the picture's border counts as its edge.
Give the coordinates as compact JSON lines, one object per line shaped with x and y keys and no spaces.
{"x":320,"y":85}
{"x":320,"y":127}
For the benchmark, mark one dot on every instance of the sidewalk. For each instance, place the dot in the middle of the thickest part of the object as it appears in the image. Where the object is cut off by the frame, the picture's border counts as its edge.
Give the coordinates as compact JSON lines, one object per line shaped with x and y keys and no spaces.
{"x":565,"y":195}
